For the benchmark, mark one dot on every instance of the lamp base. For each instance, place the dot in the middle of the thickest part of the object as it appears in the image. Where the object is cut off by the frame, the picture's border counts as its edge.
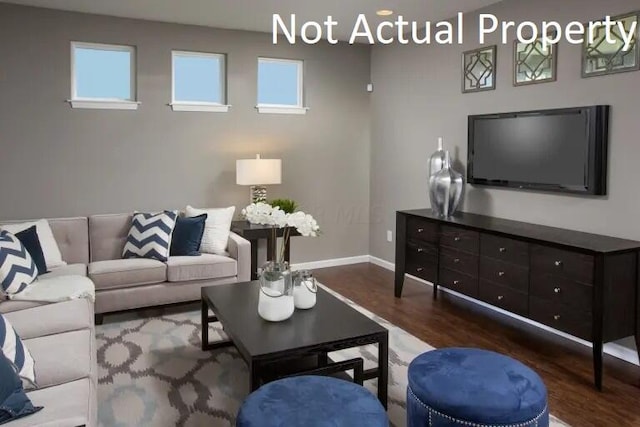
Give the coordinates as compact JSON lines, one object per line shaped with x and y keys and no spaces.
{"x":258,"y":194}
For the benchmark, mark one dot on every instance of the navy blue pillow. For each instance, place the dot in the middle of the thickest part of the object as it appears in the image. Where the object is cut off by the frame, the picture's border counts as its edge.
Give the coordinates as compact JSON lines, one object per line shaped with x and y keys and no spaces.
{"x":14,"y":403}
{"x":187,"y":236}
{"x":30,"y":240}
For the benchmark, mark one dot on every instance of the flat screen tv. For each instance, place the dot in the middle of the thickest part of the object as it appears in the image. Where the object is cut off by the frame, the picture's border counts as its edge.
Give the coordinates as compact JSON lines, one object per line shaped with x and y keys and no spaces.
{"x":551,"y":150}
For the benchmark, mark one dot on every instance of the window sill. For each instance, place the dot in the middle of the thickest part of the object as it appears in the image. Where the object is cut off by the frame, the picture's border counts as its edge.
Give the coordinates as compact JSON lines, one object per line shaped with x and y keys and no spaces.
{"x":206,"y":108}
{"x":266,"y":109}
{"x":103,"y":105}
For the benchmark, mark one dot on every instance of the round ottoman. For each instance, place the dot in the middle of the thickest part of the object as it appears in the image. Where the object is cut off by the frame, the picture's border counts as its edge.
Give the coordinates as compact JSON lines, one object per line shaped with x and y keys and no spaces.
{"x":311,"y":401}
{"x":471,"y":387}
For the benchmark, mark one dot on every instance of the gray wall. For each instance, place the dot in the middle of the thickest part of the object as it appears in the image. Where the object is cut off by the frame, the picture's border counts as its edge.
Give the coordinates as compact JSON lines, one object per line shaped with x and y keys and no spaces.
{"x":57,"y":161}
{"x":418,"y":98}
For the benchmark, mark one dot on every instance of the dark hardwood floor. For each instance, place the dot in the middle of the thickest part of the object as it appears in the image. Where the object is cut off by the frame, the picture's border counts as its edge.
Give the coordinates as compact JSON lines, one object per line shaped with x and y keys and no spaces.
{"x":565,"y":366}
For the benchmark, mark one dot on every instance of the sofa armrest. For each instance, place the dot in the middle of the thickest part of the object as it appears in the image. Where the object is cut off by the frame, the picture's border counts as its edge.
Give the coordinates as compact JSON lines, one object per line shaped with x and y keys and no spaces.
{"x":240,"y":249}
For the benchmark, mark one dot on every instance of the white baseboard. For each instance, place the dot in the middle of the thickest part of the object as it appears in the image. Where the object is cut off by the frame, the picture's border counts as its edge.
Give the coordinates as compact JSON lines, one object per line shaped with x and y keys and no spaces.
{"x":335,"y":262}
{"x":616,"y":350}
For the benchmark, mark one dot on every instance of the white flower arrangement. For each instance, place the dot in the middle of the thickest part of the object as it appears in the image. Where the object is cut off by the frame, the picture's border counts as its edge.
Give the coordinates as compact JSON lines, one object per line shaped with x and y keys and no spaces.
{"x":265,"y":214}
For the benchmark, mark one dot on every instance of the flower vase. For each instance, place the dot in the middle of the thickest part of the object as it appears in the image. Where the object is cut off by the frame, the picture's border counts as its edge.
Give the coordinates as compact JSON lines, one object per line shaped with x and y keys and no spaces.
{"x":445,"y":189}
{"x":275,"y":300}
{"x":305,"y":289}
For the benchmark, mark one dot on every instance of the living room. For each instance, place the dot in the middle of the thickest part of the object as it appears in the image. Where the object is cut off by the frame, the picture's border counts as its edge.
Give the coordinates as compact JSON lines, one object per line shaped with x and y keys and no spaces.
{"x":350,"y":124}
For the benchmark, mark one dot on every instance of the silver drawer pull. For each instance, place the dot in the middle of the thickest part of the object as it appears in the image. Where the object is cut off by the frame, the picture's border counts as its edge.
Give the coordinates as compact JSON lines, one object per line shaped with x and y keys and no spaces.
{"x":558,"y":263}
{"x":500,"y":297}
{"x":456,"y":282}
{"x":503,"y":250}
{"x":501,"y":273}
{"x":419,"y":269}
{"x":456,"y":261}
{"x":556,"y":317}
{"x":420,"y":250}
{"x":420,"y":230}
{"x":557,"y":290}
{"x":456,"y":239}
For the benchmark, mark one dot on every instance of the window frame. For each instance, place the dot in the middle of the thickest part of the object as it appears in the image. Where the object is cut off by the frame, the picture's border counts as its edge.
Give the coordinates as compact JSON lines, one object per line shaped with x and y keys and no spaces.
{"x":299,"y":108}
{"x":105,"y":103}
{"x":201,"y":106}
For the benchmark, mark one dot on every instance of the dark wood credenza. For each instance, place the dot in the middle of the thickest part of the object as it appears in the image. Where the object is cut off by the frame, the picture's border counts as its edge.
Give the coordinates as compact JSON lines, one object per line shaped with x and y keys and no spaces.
{"x":580,"y":283}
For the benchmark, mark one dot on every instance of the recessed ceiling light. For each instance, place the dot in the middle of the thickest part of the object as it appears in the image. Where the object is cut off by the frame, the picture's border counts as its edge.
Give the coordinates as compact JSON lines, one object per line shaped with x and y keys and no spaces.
{"x":384,"y":12}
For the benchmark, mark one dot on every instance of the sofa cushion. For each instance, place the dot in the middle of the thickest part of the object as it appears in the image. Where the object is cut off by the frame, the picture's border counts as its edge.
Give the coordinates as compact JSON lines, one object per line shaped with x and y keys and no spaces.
{"x":17,"y":268}
{"x":122,"y":273}
{"x":150,"y":235}
{"x":107,"y":235}
{"x":14,"y":403}
{"x":205,"y":266}
{"x":60,"y":317}
{"x":9,"y":306}
{"x":70,"y":404}
{"x":216,"y":229}
{"x":67,"y":270}
{"x":14,"y":349}
{"x":62,"y":358}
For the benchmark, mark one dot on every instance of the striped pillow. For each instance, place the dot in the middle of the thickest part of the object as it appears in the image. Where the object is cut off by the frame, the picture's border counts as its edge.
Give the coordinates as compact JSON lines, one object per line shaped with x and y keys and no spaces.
{"x":17,"y":353}
{"x":17,"y":268}
{"x":150,"y":235}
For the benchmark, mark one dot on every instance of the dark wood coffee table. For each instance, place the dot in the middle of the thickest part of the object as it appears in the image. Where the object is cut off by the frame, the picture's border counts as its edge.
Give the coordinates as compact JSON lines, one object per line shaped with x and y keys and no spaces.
{"x":298,"y":345}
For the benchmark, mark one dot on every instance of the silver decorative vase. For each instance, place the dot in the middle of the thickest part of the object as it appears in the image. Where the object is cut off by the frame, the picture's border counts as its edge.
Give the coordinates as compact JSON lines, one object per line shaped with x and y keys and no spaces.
{"x":445,"y":189}
{"x":436,"y":161}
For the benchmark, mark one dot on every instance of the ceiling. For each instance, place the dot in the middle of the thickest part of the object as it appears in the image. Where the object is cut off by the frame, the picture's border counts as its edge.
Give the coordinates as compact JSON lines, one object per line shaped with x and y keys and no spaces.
{"x":256,"y":15}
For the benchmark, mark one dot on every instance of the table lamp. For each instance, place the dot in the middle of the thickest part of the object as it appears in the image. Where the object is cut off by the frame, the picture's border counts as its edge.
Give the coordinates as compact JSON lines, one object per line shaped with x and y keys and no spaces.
{"x":257,"y":173}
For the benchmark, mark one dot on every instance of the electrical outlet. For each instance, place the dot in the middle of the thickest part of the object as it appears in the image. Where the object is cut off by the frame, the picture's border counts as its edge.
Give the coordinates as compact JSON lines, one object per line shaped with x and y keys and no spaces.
{"x":389,"y":236}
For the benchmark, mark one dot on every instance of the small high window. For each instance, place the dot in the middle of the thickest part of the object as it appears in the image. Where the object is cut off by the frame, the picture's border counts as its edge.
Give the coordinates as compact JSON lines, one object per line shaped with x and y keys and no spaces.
{"x":198,"y":82}
{"x":280,"y":86}
{"x":103,"y":76}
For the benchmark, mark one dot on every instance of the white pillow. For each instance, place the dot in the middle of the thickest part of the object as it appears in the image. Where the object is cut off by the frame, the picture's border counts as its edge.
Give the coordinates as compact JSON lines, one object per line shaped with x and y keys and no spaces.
{"x":50,"y":250}
{"x":216,"y":228}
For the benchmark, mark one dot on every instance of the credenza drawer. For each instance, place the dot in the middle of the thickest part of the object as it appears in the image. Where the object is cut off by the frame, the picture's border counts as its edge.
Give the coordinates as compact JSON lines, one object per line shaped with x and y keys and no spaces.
{"x":424,"y":270}
{"x":463,"y":262}
{"x":422,"y":230}
{"x":561,"y":317}
{"x":565,"y":291}
{"x":504,"y":249}
{"x":460,"y":239}
{"x":572,"y":265}
{"x":459,"y":282}
{"x":503,"y":297}
{"x":421,"y":249}
{"x":505,"y":274}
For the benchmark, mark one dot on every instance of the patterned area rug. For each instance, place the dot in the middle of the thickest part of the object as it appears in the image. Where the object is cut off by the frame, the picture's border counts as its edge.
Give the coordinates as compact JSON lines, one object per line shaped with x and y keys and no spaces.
{"x":152,"y":371}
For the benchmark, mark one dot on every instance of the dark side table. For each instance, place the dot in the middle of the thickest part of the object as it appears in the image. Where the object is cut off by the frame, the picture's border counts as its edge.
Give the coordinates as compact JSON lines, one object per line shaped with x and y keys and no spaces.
{"x":253,"y":233}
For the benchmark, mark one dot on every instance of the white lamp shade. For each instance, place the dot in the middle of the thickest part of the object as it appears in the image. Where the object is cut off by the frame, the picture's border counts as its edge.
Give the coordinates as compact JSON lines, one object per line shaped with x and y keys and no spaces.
{"x":258,"y":171}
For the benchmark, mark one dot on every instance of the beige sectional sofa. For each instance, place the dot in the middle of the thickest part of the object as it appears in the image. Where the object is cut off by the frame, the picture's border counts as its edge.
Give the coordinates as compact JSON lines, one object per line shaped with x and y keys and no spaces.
{"x":61,"y":339}
{"x":61,"y":336}
{"x":93,"y":246}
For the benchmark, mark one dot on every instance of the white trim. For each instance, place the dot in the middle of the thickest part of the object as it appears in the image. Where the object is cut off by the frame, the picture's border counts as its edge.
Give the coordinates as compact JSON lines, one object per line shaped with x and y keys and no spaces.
{"x":300,"y":90}
{"x":103,"y":104}
{"x":200,"y":106}
{"x":335,"y":262}
{"x":613,"y":349}
{"x":279,"y":109}
{"x":77,"y":102}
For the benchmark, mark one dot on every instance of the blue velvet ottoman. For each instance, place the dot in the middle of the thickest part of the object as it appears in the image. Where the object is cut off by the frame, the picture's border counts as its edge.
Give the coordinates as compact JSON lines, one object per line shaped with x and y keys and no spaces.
{"x":471,"y":387}
{"x":312,"y":401}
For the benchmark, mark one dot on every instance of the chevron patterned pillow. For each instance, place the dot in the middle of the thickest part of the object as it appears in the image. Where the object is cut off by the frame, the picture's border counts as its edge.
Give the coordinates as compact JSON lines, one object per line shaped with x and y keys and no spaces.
{"x":150,"y":235}
{"x":17,"y":268}
{"x":17,"y":353}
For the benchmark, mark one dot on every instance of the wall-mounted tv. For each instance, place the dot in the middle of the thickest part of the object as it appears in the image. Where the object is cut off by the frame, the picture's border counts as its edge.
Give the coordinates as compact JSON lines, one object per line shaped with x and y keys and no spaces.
{"x":551,"y":150}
